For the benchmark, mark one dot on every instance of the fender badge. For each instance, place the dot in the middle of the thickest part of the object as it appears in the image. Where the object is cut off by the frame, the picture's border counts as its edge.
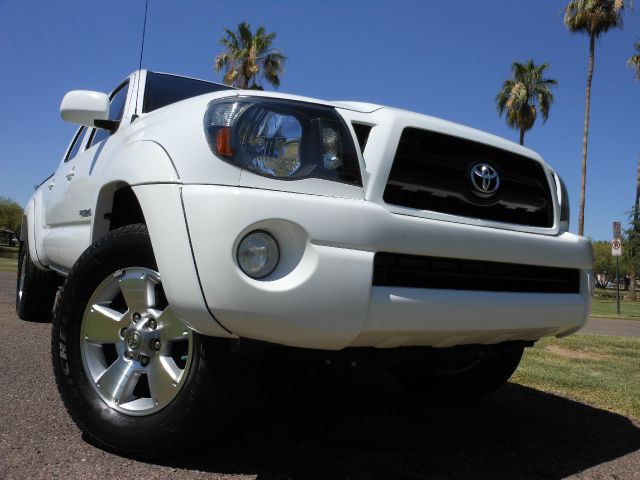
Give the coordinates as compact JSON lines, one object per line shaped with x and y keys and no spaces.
{"x":85,"y":213}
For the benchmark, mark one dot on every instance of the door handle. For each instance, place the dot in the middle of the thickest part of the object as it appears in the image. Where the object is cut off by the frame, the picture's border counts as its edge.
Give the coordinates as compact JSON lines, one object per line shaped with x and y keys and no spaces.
{"x":71,"y":174}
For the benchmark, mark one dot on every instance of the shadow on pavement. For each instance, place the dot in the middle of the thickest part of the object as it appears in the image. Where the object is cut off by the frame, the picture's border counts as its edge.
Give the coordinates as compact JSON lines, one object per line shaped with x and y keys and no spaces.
{"x":372,"y":427}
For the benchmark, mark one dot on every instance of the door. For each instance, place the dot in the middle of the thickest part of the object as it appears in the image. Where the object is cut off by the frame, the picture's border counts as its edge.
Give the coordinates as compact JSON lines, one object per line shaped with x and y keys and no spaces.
{"x":53,"y":200}
{"x":81,"y":189}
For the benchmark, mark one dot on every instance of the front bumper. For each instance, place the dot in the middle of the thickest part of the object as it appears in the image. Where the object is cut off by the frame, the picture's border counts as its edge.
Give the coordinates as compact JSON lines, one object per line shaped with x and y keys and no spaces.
{"x":321,"y":293}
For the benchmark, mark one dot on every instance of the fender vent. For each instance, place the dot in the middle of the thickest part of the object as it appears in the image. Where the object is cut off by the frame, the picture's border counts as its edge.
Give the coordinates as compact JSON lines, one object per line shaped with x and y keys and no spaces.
{"x":362,"y":134}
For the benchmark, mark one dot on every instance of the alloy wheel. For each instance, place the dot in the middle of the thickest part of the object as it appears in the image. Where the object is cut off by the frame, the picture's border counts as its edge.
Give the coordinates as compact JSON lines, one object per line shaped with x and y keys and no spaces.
{"x":135,"y":350}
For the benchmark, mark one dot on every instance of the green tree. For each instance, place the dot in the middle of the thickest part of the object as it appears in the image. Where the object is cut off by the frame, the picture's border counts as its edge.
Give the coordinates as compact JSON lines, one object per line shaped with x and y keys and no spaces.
{"x":603,"y":263}
{"x":248,"y":57}
{"x":10,"y":214}
{"x":593,"y":17}
{"x":523,"y":94}
{"x":634,"y":232}
{"x":630,"y":254}
{"x":634,"y":60}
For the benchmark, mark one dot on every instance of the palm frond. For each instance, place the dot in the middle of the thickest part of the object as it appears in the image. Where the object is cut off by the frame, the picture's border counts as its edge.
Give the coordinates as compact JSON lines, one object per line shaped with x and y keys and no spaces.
{"x":221,"y":61}
{"x":524,"y":93}
{"x":634,"y":61}
{"x":594,"y":17}
{"x":248,"y":56}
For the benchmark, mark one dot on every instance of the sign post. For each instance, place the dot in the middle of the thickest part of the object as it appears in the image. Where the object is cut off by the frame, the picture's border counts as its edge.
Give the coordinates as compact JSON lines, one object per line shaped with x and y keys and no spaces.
{"x":616,"y":251}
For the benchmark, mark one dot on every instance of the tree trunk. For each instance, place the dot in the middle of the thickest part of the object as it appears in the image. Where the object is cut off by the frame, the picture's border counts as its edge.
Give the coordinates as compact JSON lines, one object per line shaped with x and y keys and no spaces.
{"x":522,"y":136}
{"x":585,"y":139}
{"x":634,"y":232}
{"x":632,"y":281}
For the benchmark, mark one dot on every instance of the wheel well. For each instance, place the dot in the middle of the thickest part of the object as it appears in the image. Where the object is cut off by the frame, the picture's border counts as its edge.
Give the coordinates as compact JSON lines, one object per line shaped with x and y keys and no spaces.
{"x":117,"y":206}
{"x":126,"y":209}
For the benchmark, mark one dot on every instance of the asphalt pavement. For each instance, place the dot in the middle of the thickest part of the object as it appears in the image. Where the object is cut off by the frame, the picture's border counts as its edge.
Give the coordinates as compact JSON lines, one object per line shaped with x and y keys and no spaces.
{"x":366,"y":427}
{"x":612,"y":326}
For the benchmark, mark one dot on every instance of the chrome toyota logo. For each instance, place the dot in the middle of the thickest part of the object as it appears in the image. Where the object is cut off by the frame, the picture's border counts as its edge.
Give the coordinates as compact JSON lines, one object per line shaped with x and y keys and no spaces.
{"x":133,"y":340}
{"x":484,"y":178}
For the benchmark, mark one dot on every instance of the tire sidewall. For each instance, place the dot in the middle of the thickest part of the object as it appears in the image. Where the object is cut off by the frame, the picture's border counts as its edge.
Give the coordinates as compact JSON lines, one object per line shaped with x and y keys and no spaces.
{"x":22,"y":252}
{"x":117,"y":431}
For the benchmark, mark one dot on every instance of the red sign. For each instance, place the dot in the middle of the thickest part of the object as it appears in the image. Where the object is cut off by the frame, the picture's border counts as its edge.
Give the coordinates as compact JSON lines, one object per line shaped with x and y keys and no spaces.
{"x":616,"y":248}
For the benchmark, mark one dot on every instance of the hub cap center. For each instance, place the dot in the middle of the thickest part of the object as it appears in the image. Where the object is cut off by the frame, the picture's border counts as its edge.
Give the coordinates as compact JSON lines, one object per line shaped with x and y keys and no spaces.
{"x":133,"y":339}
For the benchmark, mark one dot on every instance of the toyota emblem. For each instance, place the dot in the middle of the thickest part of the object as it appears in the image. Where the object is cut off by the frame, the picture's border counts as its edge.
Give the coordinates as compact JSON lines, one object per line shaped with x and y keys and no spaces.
{"x":484,"y":179}
{"x":133,"y":340}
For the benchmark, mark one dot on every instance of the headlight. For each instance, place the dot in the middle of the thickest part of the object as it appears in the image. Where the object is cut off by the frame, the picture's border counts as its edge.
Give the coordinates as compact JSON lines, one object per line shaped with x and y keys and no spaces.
{"x":282,"y":139}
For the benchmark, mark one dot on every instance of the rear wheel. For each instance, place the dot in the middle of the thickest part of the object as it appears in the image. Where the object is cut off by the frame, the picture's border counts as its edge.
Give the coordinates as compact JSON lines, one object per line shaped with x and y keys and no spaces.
{"x":35,"y":289}
{"x":460,"y":378}
{"x":132,"y":375}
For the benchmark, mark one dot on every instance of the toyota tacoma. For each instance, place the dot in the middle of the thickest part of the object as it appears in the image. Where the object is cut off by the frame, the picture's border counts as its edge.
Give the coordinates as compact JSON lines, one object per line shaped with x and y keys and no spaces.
{"x":189,"y":222}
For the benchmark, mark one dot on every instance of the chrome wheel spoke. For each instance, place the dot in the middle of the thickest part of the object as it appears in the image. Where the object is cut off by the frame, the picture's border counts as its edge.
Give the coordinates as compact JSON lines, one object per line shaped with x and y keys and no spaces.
{"x":120,"y":348}
{"x":138,"y":289}
{"x":102,"y":325}
{"x":118,"y":381}
{"x":172,"y":328}
{"x":163,"y":376}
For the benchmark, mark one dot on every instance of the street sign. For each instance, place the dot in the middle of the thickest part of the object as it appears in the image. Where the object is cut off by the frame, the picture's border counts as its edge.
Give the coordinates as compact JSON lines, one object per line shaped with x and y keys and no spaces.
{"x":616,"y":247}
{"x":616,"y":251}
{"x":617,"y":231}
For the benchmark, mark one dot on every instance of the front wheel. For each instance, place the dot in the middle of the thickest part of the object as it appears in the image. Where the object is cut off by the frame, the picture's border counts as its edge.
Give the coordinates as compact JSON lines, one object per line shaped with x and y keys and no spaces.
{"x":132,"y":375}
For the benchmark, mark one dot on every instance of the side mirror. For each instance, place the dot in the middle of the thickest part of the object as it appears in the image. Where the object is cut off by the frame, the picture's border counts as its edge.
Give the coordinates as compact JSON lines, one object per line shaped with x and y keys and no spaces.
{"x":84,"y":107}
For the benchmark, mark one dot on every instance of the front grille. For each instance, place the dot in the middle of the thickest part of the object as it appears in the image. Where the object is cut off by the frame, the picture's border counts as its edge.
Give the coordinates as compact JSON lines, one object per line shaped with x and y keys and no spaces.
{"x":431,"y":171}
{"x":413,"y":271}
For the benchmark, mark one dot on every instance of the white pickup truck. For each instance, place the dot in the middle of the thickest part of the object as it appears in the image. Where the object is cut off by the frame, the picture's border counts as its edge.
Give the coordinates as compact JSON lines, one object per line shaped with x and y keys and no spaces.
{"x":194,"y":221}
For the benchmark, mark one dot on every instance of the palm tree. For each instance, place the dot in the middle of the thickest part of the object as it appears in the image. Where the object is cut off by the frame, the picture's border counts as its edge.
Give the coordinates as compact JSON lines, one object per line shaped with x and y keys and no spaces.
{"x":634,"y":61}
{"x":248,"y":56}
{"x":593,"y":17}
{"x":523,"y":94}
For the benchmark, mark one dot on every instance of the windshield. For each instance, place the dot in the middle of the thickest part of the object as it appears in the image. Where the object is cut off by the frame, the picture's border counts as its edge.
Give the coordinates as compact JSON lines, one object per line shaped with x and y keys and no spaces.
{"x":162,"y":90}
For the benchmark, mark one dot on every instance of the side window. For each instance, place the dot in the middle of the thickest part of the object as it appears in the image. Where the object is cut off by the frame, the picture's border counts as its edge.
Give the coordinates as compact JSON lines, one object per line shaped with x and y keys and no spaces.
{"x":116,"y":110}
{"x":77,"y":143}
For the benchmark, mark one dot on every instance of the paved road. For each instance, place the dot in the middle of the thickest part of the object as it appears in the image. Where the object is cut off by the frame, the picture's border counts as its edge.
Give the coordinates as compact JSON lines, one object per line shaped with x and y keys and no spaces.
{"x":358,"y":429}
{"x":612,"y":326}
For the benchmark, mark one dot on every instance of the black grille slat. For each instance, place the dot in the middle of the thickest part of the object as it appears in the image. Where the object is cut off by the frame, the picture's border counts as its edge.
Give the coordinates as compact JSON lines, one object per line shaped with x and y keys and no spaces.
{"x":431,"y":172}
{"x":415,"y":271}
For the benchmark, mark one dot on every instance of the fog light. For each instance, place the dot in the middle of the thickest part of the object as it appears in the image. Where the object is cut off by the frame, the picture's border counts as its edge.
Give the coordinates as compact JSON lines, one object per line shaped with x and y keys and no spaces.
{"x":258,"y":254}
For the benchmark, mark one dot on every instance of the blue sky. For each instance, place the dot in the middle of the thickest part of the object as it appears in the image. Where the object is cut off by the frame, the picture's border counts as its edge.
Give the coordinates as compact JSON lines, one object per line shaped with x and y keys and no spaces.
{"x":446,"y":59}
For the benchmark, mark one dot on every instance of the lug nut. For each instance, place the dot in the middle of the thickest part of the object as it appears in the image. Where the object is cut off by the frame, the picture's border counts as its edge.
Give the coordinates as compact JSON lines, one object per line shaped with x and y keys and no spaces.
{"x":152,"y":324}
{"x":136,"y":317}
{"x":128,"y":355}
{"x":155,"y":345}
{"x":123,"y":330}
{"x":144,"y":360}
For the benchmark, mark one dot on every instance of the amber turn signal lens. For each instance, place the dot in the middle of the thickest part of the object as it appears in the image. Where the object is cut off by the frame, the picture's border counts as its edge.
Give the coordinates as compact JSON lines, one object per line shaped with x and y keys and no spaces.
{"x":223,"y":142}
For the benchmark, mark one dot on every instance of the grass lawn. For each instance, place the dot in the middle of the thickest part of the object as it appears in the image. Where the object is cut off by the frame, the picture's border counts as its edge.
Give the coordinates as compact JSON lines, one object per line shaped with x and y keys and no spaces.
{"x":598,"y":370}
{"x":607,"y":308}
{"x":8,"y":264}
{"x":8,"y":259}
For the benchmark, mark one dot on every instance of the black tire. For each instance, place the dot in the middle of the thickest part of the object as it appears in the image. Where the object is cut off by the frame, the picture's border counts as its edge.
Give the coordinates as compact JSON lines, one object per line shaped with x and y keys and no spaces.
{"x":167,"y":432}
{"x":35,"y":289}
{"x":467,"y":381}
